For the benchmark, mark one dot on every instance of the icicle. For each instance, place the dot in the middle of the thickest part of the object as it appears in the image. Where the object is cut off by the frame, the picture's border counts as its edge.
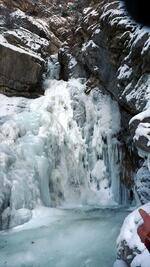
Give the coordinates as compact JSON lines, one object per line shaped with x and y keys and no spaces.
{"x":61,"y":149}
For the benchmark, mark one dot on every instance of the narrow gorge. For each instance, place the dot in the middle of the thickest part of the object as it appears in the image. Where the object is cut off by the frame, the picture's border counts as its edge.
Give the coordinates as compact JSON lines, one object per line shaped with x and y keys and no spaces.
{"x":74,"y":134}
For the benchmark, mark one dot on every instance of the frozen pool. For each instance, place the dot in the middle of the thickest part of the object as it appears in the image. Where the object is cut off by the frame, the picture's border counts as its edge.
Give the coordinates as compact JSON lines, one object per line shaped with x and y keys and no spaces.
{"x":69,"y":238}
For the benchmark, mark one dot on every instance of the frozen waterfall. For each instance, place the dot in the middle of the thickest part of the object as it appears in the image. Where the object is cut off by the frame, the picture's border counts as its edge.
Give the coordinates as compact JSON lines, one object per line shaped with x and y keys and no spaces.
{"x":59,"y":149}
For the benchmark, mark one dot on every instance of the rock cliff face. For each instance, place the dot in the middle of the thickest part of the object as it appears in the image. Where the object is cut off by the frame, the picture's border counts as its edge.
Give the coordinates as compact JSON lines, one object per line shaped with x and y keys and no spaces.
{"x":28,"y":37}
{"x":112,"y":51}
{"x":97,"y":41}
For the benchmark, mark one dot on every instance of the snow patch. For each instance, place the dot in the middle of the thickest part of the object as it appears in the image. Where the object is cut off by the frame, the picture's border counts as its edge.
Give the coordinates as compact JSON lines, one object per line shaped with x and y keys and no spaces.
{"x":90,"y":43}
{"x":129,"y":234}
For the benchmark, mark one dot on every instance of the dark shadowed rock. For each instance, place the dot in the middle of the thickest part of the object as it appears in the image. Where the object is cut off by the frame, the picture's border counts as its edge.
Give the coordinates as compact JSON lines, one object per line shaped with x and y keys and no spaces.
{"x":142,"y":183}
{"x":70,"y":67}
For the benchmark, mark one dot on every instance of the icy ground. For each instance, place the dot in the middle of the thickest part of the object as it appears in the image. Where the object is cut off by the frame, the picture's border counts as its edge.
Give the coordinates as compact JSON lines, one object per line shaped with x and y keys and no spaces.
{"x":63,"y":238}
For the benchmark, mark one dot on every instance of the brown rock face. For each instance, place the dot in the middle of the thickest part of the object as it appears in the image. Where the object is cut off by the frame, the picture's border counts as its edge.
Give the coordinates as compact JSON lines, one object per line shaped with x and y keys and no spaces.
{"x":39,"y":28}
{"x":24,"y":46}
{"x":20,"y":72}
{"x":31,"y":31}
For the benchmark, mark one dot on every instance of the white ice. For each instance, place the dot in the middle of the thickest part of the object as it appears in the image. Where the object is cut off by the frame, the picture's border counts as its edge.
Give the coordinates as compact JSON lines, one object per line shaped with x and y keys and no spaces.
{"x":59,"y":149}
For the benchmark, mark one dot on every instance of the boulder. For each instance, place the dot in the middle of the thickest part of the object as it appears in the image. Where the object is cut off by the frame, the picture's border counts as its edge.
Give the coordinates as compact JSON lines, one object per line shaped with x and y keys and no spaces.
{"x":26,"y":42}
{"x":21,"y":72}
{"x":140,"y":132}
{"x":129,"y":246}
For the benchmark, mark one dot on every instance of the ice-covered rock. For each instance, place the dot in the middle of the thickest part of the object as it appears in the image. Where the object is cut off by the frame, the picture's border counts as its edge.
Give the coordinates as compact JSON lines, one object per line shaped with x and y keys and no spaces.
{"x":142,"y":183}
{"x":111,"y":45}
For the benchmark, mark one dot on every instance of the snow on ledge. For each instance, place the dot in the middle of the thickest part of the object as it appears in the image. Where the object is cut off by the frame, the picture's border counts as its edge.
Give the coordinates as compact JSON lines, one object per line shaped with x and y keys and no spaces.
{"x":4,"y":42}
{"x":90,"y":43}
{"x":141,"y":116}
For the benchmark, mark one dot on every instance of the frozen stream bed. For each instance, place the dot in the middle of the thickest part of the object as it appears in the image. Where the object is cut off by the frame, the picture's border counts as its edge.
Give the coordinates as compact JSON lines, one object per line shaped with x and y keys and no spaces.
{"x":81,"y":237}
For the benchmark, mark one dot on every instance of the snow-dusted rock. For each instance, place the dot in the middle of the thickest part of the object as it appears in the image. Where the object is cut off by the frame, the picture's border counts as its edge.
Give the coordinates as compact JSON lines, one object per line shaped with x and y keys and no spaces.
{"x":130,"y":248}
{"x":140,"y":130}
{"x":117,"y":49}
{"x":142,"y":183}
{"x":23,"y":53}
